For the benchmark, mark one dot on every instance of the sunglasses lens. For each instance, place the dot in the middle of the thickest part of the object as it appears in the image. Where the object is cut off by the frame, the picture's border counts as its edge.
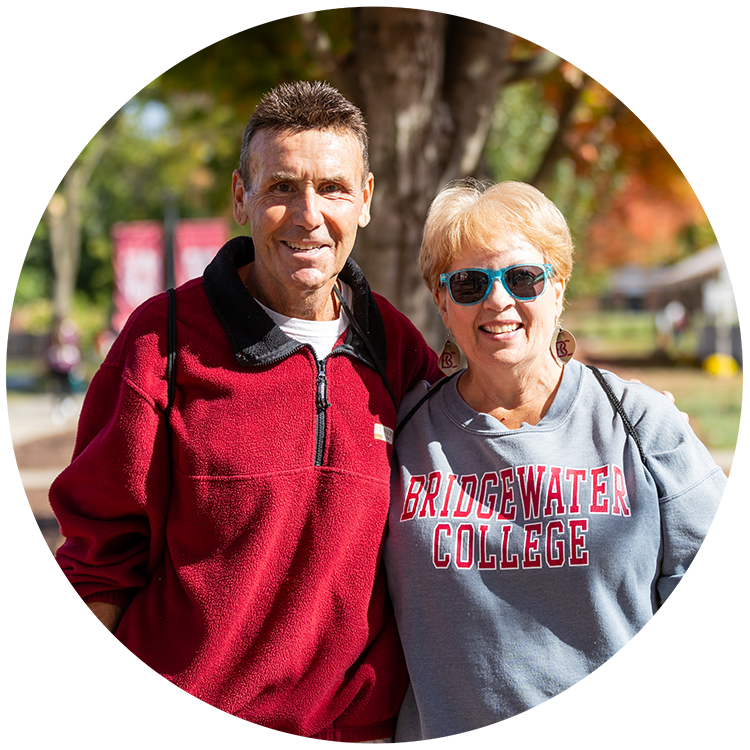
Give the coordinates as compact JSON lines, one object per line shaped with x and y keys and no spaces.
{"x":525,"y":282}
{"x":468,"y":287}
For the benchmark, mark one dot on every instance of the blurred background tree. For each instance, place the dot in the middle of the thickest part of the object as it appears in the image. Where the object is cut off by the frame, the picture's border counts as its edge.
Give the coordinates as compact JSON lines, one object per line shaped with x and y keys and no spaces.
{"x":445,"y":97}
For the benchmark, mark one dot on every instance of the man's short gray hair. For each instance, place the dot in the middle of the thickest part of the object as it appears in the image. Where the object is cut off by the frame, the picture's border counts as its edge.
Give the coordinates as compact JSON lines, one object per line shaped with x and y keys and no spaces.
{"x":305,"y":105}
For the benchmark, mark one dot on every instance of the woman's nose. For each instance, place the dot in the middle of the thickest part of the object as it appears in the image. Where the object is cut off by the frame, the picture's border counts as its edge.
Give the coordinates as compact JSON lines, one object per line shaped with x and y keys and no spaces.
{"x":498,"y":298}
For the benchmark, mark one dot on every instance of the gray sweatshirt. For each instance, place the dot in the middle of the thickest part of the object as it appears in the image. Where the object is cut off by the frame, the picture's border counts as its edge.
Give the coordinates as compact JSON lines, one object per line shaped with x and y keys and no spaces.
{"x":521,"y":560}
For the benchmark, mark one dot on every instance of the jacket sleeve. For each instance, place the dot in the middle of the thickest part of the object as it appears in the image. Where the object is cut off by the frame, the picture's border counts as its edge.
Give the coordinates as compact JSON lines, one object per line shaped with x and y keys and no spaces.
{"x":700,"y":587}
{"x":111,"y":501}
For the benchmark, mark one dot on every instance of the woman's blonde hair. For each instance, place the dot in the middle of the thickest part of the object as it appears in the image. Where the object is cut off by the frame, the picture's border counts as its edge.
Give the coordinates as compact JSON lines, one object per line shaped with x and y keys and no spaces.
{"x":468,"y":213}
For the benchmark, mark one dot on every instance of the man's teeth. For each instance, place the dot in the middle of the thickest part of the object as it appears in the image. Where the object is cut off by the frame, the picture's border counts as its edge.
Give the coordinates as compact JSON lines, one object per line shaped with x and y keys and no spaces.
{"x":508,"y":328}
{"x":304,"y":248}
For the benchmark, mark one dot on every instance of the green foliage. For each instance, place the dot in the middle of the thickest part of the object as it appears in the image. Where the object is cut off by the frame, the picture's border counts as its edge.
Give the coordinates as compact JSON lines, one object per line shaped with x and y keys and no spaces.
{"x":523,"y":125}
{"x":27,"y":260}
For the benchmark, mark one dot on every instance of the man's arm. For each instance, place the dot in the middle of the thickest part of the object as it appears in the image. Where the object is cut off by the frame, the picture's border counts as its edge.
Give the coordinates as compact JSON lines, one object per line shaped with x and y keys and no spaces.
{"x":719,"y":690}
{"x":89,"y":628}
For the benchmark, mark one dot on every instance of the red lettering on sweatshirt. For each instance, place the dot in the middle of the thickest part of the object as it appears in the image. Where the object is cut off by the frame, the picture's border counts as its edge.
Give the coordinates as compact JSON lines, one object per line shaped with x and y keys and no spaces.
{"x":438,"y":560}
{"x":554,"y":505}
{"x":486,"y":500}
{"x":444,"y":510}
{"x":507,"y":561}
{"x":531,"y":489}
{"x":575,"y":476}
{"x":531,"y":556}
{"x":507,"y":511}
{"x":555,"y":548}
{"x":578,"y":555}
{"x":620,"y":500}
{"x":465,"y":546}
{"x":485,"y":562}
{"x":433,"y":488}
{"x":416,"y":485}
{"x":599,"y":503}
{"x":468,"y":491}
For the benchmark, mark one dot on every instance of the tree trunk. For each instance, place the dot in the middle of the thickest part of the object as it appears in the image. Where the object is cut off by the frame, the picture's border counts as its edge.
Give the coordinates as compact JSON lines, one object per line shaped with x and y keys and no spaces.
{"x":400,"y":62}
{"x":426,"y":83}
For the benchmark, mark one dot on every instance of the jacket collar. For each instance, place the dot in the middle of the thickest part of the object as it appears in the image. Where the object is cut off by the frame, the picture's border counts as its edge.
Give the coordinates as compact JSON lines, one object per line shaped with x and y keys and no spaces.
{"x":255,"y":338}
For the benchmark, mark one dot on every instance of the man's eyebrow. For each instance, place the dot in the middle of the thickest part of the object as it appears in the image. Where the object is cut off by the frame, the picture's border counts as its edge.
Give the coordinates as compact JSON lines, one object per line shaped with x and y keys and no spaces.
{"x":284,"y":176}
{"x":292,"y":177}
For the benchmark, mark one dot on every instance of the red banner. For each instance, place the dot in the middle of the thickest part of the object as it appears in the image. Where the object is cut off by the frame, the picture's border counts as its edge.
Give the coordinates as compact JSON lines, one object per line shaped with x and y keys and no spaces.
{"x":196,"y":241}
{"x":138,"y":259}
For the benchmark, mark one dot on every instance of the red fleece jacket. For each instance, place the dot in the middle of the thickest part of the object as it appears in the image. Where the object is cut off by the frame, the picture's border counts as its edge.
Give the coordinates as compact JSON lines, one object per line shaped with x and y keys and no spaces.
{"x":258,"y":585}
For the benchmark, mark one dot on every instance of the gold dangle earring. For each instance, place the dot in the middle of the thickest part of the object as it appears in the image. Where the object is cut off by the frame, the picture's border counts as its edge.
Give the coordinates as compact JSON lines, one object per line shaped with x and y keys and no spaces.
{"x":563,"y":345}
{"x":450,"y":357}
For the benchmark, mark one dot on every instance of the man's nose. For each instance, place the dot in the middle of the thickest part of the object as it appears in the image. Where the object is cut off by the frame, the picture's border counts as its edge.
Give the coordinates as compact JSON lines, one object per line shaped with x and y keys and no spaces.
{"x":307,"y":209}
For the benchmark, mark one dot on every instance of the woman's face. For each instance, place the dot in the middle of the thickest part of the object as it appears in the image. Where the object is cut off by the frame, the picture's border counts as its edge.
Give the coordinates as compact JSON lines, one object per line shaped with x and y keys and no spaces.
{"x":502,"y":331}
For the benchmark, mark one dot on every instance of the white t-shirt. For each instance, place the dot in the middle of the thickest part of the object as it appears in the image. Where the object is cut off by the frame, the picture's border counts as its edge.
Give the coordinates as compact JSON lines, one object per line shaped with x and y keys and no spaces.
{"x":322,"y":335}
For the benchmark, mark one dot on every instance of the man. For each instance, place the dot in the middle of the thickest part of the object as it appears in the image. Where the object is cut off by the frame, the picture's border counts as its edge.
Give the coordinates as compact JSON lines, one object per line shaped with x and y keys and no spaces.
{"x":250,"y":573}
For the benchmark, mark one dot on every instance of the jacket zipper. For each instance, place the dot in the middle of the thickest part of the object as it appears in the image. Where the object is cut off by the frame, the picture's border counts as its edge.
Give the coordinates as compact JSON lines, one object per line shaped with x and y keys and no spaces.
{"x":321,"y":404}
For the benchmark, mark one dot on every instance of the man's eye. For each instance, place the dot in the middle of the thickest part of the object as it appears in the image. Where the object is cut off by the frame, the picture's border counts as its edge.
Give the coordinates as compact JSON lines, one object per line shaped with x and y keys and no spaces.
{"x":332,"y":188}
{"x":283,"y":187}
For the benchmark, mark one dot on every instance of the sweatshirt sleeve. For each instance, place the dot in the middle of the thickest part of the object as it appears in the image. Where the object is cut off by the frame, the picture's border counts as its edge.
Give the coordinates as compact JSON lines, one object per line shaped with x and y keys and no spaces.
{"x":700,"y":588}
{"x":111,"y":501}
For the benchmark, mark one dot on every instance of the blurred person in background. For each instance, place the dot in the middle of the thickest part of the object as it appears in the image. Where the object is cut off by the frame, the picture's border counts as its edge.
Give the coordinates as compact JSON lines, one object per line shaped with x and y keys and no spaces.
{"x":64,"y":365}
{"x":542,"y":511}
{"x":232,"y":539}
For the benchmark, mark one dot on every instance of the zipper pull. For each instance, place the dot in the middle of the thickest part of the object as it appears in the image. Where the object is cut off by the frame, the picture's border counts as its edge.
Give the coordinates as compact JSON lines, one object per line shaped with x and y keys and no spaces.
{"x":322,"y":390}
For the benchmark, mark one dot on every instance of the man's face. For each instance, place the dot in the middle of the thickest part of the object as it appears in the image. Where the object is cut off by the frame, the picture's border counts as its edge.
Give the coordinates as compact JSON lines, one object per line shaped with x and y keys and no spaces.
{"x":304,"y":202}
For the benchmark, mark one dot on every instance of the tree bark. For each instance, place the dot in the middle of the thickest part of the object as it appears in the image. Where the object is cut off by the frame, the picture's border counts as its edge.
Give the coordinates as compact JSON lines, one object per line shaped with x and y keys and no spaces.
{"x":426,"y":83}
{"x":400,"y":62}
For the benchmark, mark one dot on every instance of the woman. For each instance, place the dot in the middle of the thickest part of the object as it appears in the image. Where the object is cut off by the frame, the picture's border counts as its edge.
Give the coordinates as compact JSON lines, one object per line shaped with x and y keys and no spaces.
{"x":529,"y":540}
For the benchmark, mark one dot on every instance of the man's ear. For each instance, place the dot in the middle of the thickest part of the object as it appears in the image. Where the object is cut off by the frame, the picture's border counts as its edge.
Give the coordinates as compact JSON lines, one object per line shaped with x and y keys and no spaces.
{"x":364,"y":214}
{"x":238,"y":198}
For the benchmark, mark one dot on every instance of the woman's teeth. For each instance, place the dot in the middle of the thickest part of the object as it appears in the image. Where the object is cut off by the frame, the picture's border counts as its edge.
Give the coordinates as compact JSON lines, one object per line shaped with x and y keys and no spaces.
{"x":508,"y":328}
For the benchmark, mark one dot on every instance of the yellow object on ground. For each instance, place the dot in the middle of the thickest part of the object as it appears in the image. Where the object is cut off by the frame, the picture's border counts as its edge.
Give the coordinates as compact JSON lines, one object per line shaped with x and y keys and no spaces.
{"x":720,"y":365}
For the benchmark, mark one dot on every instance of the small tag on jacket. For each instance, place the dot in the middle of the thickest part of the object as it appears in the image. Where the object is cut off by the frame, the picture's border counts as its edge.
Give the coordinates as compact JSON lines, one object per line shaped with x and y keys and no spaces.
{"x":383,"y":433}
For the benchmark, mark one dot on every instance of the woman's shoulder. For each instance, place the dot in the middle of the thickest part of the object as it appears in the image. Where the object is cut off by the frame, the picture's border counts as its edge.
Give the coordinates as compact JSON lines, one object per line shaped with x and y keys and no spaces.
{"x":412,"y":398}
{"x":659,"y":423}
{"x":631,"y":393}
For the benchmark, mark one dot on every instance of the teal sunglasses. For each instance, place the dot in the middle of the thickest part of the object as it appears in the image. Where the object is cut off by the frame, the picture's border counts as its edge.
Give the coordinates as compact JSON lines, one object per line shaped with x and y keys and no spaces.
{"x":524,"y":281}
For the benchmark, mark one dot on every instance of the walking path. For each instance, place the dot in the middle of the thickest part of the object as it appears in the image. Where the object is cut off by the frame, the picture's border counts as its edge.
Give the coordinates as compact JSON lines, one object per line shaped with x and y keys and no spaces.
{"x":32,"y":417}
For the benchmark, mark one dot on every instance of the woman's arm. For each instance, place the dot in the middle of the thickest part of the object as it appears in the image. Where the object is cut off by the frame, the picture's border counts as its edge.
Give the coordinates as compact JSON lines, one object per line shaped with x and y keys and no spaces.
{"x":719,"y":690}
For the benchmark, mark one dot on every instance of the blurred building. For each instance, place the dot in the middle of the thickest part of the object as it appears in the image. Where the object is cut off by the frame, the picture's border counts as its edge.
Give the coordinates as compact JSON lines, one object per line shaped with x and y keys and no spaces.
{"x":699,"y":283}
